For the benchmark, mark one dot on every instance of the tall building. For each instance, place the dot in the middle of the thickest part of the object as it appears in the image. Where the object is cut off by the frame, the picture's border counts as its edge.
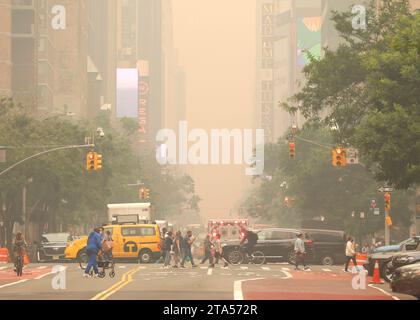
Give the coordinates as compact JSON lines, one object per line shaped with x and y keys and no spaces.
{"x":145,"y":42}
{"x":24,"y":52}
{"x":101,"y":59}
{"x":5,"y":48}
{"x":286,"y":30}
{"x":71,"y":45}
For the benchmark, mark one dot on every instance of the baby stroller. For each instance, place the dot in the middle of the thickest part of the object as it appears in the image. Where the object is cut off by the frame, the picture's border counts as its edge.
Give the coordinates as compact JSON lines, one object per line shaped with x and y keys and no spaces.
{"x":105,"y":264}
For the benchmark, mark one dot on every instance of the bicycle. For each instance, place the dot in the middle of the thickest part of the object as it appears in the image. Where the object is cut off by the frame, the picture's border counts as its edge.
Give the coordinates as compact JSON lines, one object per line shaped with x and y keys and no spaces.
{"x":19,"y":265}
{"x":239,"y":255}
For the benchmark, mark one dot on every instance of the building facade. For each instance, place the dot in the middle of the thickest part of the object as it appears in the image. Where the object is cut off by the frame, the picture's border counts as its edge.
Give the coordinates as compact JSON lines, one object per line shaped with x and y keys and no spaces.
{"x":5,"y":48}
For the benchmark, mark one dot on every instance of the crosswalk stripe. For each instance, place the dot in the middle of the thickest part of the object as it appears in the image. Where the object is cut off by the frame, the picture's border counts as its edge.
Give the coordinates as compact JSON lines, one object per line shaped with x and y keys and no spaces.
{"x":265,"y":268}
{"x":42,"y":267}
{"x":286,"y":269}
{"x":244,"y":268}
{"x":203,"y":268}
{"x":209,"y":271}
{"x":3,"y":268}
{"x":326,"y":270}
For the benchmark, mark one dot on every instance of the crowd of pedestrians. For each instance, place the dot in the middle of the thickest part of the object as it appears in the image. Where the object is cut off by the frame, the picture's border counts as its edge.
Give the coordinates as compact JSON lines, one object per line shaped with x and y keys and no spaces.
{"x":177,"y":250}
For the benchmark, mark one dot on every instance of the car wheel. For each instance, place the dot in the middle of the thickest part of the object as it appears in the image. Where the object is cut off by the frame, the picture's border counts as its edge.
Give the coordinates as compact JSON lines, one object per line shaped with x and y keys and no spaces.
{"x":145,"y":256}
{"x":386,"y":272}
{"x":327,"y":261}
{"x":83,"y":259}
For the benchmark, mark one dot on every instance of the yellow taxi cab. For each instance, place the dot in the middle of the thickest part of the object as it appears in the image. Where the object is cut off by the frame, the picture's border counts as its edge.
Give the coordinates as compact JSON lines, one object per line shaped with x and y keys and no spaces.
{"x":131,"y":241}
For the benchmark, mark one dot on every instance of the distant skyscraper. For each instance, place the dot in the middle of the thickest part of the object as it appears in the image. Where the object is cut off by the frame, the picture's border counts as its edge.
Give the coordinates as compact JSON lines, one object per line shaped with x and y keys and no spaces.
{"x":5,"y":48}
{"x":286,"y":29}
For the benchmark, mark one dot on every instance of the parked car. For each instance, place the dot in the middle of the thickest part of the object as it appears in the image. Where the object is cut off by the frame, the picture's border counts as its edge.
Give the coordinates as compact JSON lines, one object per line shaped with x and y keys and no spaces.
{"x":52,"y":246}
{"x":396,"y":247}
{"x":277,"y":244}
{"x":384,"y":258}
{"x":400,"y":260}
{"x":406,"y":280}
{"x":328,"y":246}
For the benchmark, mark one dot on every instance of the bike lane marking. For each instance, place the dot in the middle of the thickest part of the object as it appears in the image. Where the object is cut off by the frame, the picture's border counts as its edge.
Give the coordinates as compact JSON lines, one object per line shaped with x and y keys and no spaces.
{"x":237,"y":288}
{"x":13,"y":283}
{"x":383,"y":291}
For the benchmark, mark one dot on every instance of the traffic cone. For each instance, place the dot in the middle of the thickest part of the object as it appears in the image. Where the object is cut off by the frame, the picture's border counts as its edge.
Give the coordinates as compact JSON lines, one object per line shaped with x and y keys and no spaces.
{"x":376,"y":277}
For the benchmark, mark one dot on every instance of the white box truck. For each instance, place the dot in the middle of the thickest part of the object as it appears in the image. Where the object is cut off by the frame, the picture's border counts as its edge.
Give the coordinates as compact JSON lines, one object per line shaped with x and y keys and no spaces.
{"x":130,"y":213}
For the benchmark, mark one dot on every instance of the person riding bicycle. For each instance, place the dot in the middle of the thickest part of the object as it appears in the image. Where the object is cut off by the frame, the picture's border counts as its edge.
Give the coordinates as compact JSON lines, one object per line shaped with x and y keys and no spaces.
{"x":19,"y":248}
{"x":251,"y":238}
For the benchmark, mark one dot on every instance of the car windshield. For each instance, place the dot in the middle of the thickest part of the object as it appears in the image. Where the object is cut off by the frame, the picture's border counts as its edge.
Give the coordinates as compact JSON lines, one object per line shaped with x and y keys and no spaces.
{"x":56,"y":237}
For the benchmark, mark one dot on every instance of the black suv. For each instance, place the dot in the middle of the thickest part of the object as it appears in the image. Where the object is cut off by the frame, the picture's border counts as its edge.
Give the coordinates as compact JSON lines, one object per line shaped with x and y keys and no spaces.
{"x":328,"y":246}
{"x":277,"y":244}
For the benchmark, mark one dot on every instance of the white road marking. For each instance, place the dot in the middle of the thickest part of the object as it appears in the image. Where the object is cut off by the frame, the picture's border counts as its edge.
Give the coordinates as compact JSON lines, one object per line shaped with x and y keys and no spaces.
{"x":203,"y":267}
{"x":288,"y":275}
{"x":244,"y":268}
{"x":285,"y":269}
{"x":237,"y":288}
{"x":266,"y":268}
{"x":43,"y":275}
{"x":383,"y":291}
{"x":13,"y":283}
{"x":3,"y":268}
{"x":122,"y":267}
{"x":209,"y":271}
{"x":326,"y":270}
{"x":42,"y":267}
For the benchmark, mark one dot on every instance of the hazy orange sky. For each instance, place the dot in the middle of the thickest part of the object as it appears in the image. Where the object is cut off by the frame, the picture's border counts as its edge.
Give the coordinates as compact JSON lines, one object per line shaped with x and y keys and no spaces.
{"x":216,"y":44}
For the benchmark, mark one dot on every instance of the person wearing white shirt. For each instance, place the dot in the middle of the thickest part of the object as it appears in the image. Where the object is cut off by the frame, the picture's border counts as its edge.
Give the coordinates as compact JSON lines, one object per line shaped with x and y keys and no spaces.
{"x":350,"y":253}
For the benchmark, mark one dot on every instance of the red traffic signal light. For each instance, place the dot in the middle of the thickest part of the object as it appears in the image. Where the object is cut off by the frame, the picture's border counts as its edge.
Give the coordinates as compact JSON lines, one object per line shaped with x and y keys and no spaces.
{"x":292,"y":149}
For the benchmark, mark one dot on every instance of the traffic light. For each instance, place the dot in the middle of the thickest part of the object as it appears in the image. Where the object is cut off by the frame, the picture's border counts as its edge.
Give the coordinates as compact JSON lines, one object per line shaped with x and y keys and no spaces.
{"x":146,"y":193}
{"x":292,"y":149}
{"x":98,"y":161}
{"x":90,"y":161}
{"x":142,"y":193}
{"x":387,"y":198}
{"x":339,"y":157}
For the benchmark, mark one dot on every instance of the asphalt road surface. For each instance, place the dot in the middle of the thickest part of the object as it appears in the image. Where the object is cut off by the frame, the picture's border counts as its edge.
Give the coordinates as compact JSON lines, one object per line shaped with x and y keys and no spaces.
{"x":151,"y":282}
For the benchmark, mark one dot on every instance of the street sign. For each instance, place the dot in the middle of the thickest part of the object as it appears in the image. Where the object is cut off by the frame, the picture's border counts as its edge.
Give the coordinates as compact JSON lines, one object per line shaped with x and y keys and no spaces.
{"x":376,"y":211}
{"x":352,"y":156}
{"x":385,"y":189}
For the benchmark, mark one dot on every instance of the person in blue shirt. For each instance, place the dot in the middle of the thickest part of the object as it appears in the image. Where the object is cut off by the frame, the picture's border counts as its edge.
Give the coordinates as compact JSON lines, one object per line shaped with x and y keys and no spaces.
{"x":94,"y":244}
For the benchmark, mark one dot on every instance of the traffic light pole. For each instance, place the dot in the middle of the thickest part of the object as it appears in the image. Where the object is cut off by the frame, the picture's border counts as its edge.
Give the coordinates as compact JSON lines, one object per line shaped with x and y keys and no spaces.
{"x":45,"y":152}
{"x":387,"y":230}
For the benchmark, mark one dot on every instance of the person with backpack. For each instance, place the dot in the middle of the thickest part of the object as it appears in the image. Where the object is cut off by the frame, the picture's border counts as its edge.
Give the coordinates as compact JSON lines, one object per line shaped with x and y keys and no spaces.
{"x":208,"y":245}
{"x":168,"y":246}
{"x":251,"y":238}
{"x":187,"y":253}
